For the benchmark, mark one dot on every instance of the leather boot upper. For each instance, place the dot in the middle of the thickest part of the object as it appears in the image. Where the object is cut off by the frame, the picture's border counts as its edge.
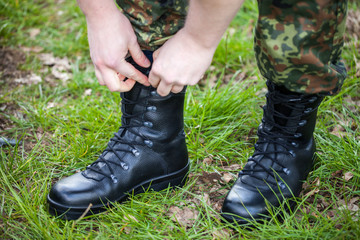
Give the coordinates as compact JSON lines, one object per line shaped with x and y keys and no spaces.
{"x":282,"y":158}
{"x":150,"y":144}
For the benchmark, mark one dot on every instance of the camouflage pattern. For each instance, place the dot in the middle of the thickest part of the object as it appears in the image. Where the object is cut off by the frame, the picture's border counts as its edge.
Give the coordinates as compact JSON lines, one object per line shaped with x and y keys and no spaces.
{"x":154,"y":21}
{"x":298,"y":44}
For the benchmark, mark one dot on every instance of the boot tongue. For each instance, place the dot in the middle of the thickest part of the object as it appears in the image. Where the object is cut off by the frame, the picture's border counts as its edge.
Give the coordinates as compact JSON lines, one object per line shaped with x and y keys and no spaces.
{"x":285,"y":111}
{"x":133,"y":96}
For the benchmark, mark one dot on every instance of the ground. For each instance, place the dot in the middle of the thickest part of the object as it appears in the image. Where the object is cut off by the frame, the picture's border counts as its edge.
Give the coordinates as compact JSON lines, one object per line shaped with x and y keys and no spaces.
{"x":50,"y":101}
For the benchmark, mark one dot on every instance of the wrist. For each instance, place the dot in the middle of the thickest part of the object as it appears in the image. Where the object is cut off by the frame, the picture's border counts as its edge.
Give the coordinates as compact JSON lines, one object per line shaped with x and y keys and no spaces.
{"x":98,"y":10}
{"x":206,"y":41}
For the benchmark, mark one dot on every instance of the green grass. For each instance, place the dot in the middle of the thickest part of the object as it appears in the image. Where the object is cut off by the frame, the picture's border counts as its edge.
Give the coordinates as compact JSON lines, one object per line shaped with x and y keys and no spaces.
{"x":68,"y":136}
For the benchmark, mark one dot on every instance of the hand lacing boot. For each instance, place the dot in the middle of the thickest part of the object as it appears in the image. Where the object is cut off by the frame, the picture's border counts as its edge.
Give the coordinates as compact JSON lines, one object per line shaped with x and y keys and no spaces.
{"x":149,"y":150}
{"x":282,"y":159}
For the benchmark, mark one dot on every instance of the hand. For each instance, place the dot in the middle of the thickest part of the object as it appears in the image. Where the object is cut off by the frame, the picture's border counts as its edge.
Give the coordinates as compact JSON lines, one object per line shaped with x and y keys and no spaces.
{"x":111,"y":37}
{"x":179,"y":62}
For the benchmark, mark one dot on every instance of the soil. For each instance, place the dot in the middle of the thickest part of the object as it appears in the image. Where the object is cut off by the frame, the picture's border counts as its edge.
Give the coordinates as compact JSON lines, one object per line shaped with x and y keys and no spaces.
{"x":10,"y":61}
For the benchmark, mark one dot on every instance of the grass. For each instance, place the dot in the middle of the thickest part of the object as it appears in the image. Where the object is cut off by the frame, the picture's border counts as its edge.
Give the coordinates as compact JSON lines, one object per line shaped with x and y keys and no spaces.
{"x":63,"y":130}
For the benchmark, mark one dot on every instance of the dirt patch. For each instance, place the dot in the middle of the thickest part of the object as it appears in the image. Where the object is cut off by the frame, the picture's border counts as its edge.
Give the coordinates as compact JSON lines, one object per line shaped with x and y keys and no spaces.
{"x":321,"y":199}
{"x":10,"y":60}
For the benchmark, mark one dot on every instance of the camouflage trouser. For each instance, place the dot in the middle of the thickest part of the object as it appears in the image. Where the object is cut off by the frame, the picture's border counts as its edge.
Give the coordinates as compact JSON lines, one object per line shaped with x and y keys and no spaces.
{"x":297,"y":43}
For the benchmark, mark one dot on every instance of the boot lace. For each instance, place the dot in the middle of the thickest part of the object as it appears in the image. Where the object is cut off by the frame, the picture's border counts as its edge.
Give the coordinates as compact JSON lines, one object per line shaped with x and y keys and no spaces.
{"x":276,"y":135}
{"x":118,"y":143}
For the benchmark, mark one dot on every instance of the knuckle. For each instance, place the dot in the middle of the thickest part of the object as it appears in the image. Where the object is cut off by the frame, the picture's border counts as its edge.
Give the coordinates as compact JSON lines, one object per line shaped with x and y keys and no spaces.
{"x":161,"y":92}
{"x":132,"y":75}
{"x":114,"y":88}
{"x":98,"y":62}
{"x":156,"y":69}
{"x":111,"y":62}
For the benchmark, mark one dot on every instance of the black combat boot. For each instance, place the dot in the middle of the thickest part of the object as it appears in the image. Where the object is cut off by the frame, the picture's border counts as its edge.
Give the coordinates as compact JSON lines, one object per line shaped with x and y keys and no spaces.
{"x":282,"y":159}
{"x":148,"y":151}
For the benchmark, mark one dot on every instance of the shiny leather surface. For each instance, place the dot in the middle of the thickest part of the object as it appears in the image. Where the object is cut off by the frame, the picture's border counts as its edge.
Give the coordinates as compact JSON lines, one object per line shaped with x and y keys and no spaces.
{"x":164,"y":161}
{"x":289,"y":160}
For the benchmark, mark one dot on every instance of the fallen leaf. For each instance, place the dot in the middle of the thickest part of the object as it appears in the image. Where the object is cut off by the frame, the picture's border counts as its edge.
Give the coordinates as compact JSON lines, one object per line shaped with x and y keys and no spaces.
{"x":312,"y":192}
{"x":233,"y":167}
{"x":221,"y":234}
{"x":350,"y":207}
{"x":185,"y":216}
{"x":347,"y":176}
{"x":206,"y":198}
{"x":34,"y":32}
{"x":29,"y":79}
{"x":227,"y":177}
{"x":47,"y":59}
{"x":353,"y":200}
{"x":35,"y":49}
{"x":50,"y":105}
{"x":88,"y":92}
{"x":338,"y":131}
{"x":59,"y":74}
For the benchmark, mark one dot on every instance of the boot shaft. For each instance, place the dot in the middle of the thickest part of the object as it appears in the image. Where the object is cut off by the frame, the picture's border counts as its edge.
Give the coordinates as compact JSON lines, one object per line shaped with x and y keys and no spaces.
{"x":291,"y":114}
{"x":156,"y":117}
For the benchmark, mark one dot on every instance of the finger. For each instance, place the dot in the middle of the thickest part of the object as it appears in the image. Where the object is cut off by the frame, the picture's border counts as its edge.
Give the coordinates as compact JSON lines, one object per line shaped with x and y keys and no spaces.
{"x":156,"y":54}
{"x":113,"y":82}
{"x":121,"y":77}
{"x":177,"y":88}
{"x":99,"y":77}
{"x":129,"y":71}
{"x":154,"y":79}
{"x":129,"y":83}
{"x":138,"y":55}
{"x":164,"y":89}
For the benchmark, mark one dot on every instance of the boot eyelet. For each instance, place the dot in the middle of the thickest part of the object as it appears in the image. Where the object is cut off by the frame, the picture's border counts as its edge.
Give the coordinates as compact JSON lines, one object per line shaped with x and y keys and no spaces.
{"x":135,"y":152}
{"x":294,"y":144}
{"x":282,"y":185}
{"x":292,"y":153}
{"x":124,"y":166}
{"x":308,"y":110}
{"x":302,"y":123}
{"x":113,"y":178}
{"x":148,"y":143}
{"x":154,"y":93}
{"x":151,"y":109}
{"x":286,"y":171}
{"x":313,"y":99}
{"x":297,"y":135}
{"x":148,"y":124}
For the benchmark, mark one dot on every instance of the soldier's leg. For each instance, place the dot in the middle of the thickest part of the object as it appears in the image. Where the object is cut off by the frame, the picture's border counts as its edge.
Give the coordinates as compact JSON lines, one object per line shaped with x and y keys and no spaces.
{"x":154,"y":21}
{"x":298,"y":47}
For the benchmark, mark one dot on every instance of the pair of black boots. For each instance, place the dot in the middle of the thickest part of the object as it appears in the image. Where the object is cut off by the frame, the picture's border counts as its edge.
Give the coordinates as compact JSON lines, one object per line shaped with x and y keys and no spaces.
{"x":149,"y":151}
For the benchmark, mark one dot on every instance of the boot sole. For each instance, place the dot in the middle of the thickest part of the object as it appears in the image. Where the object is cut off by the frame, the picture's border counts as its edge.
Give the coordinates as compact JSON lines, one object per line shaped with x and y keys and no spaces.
{"x":176,"y":179}
{"x":249,"y":222}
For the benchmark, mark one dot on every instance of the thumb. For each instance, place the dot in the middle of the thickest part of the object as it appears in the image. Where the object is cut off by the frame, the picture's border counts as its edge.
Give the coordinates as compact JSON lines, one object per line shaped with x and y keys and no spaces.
{"x":138,"y":55}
